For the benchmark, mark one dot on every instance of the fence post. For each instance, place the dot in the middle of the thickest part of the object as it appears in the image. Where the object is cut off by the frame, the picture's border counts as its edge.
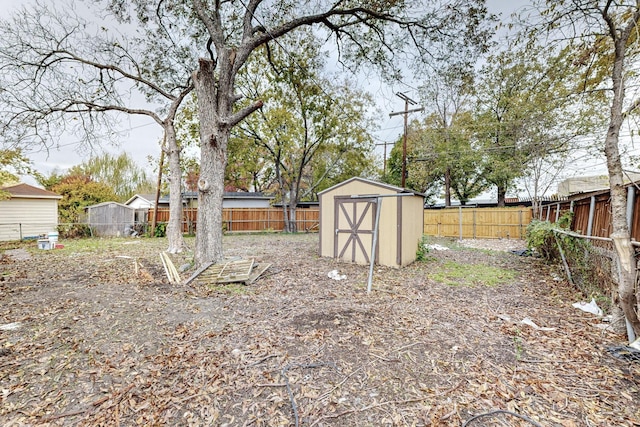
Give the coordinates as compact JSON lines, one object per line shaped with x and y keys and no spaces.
{"x":548,"y":212}
{"x":474,"y":223}
{"x":592,"y":212}
{"x":520,"y":223}
{"x":631,"y":195}
{"x":20,"y":227}
{"x":460,"y":220}
{"x":557,"y":211}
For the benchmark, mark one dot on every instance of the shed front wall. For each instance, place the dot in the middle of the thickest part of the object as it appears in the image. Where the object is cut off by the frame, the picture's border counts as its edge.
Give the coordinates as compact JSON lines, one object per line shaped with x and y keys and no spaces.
{"x":21,"y":218}
{"x":387,"y":241}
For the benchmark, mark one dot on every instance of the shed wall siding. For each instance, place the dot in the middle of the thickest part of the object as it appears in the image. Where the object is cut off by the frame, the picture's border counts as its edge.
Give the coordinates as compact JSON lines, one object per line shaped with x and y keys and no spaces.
{"x":413,"y":227}
{"x":327,"y":205}
{"x":110,"y":219}
{"x":34,"y":216}
{"x":388,"y":231}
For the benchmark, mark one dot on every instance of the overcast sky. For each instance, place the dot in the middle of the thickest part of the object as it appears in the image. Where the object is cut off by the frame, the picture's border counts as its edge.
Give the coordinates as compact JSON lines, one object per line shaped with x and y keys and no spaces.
{"x":140,"y":136}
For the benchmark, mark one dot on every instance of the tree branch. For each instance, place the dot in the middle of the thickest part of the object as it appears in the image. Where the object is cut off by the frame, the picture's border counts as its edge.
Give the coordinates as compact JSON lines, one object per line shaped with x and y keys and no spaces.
{"x":242,"y":114}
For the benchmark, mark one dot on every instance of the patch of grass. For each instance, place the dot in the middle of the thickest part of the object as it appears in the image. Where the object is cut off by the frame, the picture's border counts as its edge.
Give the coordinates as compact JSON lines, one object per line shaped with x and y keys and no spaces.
{"x":456,"y":274}
{"x":519,"y":345}
{"x":95,"y":244}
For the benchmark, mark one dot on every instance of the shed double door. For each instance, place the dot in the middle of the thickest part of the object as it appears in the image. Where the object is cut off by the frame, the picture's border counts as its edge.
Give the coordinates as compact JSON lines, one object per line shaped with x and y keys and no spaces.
{"x":354,"y":222}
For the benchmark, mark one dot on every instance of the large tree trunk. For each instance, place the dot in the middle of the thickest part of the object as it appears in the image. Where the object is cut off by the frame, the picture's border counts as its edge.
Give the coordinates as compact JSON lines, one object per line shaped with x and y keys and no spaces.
{"x":502,"y":192}
{"x":214,"y":136}
{"x":447,"y":187}
{"x":620,"y":235}
{"x":174,"y":227}
{"x":293,"y":204}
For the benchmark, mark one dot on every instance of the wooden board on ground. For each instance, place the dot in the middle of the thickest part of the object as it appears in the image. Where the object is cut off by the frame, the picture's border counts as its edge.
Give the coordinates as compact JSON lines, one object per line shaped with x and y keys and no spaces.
{"x":231,"y":271}
{"x":257,"y":272}
{"x":197,"y":273}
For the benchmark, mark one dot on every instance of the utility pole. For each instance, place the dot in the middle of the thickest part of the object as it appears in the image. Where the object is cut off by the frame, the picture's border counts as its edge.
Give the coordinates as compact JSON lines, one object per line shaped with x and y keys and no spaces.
{"x":406,"y":112}
{"x":384,"y":167}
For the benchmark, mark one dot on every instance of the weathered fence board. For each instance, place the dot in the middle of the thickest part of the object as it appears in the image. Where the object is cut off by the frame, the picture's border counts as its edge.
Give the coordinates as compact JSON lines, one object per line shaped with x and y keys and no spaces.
{"x":481,"y":223}
{"x":477,"y":223}
{"x":247,"y":219}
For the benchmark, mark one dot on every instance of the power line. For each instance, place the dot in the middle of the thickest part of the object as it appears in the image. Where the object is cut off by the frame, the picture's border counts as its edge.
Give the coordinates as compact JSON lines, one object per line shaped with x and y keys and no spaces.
{"x":303,"y":69}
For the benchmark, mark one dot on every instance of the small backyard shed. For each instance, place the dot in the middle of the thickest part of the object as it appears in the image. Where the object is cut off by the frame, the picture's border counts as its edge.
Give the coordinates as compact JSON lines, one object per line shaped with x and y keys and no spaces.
{"x":27,"y":212}
{"x":348,"y":217}
{"x":110,"y":219}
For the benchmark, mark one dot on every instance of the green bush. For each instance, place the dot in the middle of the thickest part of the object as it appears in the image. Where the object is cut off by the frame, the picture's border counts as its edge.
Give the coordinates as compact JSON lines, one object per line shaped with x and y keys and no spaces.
{"x":542,"y":239}
{"x":541,"y":236}
{"x":161,"y":230}
{"x":423,"y":250}
{"x":590,"y":271}
{"x":74,"y":231}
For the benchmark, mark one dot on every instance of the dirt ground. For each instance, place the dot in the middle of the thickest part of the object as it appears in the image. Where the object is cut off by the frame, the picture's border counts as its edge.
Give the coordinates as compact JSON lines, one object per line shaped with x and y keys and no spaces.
{"x":84,"y":340}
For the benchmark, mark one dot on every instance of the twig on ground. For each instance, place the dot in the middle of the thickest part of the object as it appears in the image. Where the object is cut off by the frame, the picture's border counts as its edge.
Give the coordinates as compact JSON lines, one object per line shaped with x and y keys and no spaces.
{"x":327,"y":394}
{"x":262,"y":360}
{"x":91,"y":407}
{"x":501,"y":411}
{"x":286,"y":369}
{"x":366,"y":408}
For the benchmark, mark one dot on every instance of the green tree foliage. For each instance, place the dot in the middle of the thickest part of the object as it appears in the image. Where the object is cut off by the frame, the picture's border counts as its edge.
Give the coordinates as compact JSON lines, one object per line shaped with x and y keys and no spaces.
{"x":13,"y":164}
{"x":78,"y":192}
{"x":120,"y":173}
{"x":436,"y":153}
{"x":525,"y":111}
{"x":312,"y":131}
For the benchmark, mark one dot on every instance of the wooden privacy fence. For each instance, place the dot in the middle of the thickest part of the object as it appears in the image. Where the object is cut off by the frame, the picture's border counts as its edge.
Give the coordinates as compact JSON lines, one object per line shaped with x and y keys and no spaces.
{"x":246,"y":219}
{"x":477,"y":223}
{"x":480,"y":223}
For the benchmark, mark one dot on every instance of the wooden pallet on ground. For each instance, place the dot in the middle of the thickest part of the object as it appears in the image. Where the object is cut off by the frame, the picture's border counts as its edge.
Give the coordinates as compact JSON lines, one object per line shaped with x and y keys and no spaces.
{"x":236,"y":271}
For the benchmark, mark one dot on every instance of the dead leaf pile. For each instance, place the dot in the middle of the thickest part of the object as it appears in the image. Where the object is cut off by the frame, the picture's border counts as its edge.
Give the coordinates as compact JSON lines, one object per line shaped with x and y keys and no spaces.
{"x":101,"y":346}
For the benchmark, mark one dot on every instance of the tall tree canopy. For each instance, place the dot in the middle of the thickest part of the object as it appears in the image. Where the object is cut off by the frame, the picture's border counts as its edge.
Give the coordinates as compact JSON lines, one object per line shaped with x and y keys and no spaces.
{"x":441,"y":157}
{"x":525,"y":110}
{"x":607,"y":31}
{"x":370,"y":31}
{"x":312,"y":130}
{"x":64,"y":74}
{"x":121,"y":173}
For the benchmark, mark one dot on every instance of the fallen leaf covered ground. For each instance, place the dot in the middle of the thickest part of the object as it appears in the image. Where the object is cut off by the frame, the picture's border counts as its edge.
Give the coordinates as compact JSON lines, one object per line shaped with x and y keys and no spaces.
{"x":97,"y":342}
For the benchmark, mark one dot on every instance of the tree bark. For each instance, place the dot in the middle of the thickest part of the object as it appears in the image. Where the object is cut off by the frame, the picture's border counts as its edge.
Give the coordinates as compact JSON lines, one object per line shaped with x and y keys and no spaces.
{"x":502,"y":192}
{"x":214,"y":136}
{"x":174,"y":227}
{"x":447,"y":187}
{"x":620,"y":235}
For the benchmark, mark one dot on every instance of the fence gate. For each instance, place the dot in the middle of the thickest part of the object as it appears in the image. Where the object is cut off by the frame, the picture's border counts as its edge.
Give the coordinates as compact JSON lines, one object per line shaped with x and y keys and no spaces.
{"x":354,"y":220}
